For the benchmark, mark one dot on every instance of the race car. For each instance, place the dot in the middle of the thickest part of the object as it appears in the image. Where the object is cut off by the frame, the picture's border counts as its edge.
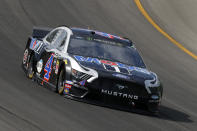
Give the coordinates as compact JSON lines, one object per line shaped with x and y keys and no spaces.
{"x":76,"y":62}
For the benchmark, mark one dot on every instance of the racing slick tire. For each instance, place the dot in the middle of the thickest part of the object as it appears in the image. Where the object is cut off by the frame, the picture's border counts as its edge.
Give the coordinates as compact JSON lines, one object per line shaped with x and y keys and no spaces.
{"x":60,"y":83}
{"x":153,"y":107}
{"x":30,"y":72}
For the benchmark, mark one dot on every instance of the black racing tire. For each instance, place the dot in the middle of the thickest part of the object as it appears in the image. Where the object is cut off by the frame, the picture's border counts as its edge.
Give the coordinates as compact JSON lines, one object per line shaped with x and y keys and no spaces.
{"x":30,"y":71}
{"x":153,"y":107}
{"x":60,"y":83}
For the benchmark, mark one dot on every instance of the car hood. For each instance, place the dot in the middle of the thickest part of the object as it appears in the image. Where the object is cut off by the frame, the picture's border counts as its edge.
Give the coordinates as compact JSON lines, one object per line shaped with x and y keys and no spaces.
{"x":116,"y":70}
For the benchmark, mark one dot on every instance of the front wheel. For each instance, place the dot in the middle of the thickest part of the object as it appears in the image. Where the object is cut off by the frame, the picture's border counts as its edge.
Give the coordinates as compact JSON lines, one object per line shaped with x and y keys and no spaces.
{"x":153,"y":107}
{"x":30,"y":71}
{"x":60,"y":84}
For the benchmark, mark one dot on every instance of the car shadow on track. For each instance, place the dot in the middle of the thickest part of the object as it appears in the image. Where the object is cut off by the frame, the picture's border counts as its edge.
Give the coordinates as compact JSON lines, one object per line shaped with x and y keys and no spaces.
{"x":165,"y":113}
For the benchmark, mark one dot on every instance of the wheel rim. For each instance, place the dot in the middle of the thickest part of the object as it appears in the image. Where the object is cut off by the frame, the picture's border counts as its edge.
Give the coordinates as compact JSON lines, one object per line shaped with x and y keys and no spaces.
{"x":61,"y":84}
{"x":30,"y":72}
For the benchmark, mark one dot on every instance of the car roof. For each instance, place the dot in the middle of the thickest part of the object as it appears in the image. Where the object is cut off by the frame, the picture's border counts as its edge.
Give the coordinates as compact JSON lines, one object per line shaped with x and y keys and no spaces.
{"x":101,"y":35}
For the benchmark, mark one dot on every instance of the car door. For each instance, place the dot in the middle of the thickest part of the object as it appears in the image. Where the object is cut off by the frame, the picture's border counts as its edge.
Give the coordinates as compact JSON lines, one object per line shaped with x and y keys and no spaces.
{"x":55,"y":43}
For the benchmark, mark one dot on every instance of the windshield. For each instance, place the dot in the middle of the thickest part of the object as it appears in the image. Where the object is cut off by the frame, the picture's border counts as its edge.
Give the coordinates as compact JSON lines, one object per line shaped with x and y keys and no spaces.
{"x":105,"y":49}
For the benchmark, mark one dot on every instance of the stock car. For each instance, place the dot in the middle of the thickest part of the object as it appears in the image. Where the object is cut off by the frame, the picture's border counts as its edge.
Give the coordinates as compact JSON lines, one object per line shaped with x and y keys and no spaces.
{"x":76,"y":62}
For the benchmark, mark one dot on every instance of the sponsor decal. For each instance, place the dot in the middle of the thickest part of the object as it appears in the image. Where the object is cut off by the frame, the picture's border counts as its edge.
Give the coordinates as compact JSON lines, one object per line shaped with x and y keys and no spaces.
{"x":120,"y":87}
{"x":33,"y":44}
{"x":117,"y":64}
{"x":121,"y":76}
{"x":88,"y":59}
{"x":108,"y":35}
{"x":108,"y":62}
{"x":69,"y":82}
{"x":36,"y":45}
{"x":57,"y":66}
{"x":107,"y":42}
{"x":119,"y":94}
{"x":25,"y":56}
{"x":82,"y":83}
{"x":65,"y":61}
{"x":67,"y":88}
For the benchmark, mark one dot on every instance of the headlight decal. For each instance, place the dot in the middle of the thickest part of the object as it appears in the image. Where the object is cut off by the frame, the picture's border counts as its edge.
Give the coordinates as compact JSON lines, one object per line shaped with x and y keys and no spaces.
{"x":154,"y":83}
{"x":39,"y":65}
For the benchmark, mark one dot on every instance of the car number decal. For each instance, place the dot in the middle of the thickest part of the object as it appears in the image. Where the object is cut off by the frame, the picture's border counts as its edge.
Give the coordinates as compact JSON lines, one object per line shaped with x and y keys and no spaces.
{"x":48,"y":68}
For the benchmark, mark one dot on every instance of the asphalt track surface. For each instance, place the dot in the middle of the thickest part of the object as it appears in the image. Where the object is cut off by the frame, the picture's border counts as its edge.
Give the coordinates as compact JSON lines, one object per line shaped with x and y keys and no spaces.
{"x":25,"y":106}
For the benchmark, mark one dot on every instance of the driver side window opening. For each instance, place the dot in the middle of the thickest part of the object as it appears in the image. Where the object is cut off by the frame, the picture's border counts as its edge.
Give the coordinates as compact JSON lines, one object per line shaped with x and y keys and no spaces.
{"x":57,"y":39}
{"x":61,"y":39}
{"x":62,"y":44}
{"x":51,"y":36}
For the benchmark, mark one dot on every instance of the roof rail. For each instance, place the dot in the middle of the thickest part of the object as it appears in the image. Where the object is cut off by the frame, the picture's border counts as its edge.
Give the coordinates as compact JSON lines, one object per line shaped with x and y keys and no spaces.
{"x":63,"y":25}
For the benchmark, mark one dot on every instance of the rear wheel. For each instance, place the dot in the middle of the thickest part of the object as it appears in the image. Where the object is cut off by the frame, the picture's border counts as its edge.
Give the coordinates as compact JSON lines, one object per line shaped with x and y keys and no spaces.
{"x":60,"y":84}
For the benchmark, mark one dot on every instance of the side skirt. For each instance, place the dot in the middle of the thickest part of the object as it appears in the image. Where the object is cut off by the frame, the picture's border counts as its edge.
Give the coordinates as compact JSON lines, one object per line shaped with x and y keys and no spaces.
{"x":44,"y":83}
